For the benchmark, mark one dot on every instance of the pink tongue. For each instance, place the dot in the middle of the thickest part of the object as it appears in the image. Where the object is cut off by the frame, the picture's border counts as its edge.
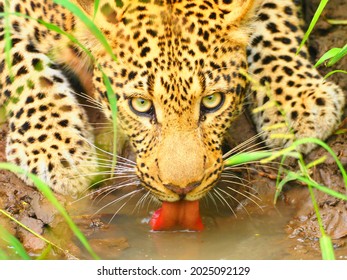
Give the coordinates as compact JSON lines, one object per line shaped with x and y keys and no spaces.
{"x":178,"y":215}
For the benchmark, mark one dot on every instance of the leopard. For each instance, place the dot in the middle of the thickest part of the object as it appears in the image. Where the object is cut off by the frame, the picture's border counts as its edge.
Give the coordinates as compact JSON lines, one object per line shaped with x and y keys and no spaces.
{"x":181,"y":72}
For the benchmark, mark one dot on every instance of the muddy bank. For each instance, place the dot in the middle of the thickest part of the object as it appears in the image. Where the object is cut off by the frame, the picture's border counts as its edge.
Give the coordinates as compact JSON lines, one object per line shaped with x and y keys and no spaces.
{"x":301,"y":230}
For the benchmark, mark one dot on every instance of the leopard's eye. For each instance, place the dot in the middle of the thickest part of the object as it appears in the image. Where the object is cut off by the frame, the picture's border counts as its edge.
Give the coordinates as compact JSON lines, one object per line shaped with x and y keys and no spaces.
{"x":141,"y":105}
{"x":212,"y":102}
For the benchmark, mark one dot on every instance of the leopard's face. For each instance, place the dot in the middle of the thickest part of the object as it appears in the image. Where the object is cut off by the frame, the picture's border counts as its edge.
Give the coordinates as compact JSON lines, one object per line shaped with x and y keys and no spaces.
{"x":179,"y":85}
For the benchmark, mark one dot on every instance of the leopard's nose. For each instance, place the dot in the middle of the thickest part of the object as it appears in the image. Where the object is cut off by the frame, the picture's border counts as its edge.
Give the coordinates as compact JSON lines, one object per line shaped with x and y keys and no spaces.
{"x":182,"y":191}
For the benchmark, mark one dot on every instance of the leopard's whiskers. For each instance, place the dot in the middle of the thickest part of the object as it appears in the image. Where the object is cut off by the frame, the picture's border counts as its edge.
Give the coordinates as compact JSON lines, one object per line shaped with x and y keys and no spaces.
{"x":233,"y":198}
{"x":117,"y":200}
{"x":222,"y":199}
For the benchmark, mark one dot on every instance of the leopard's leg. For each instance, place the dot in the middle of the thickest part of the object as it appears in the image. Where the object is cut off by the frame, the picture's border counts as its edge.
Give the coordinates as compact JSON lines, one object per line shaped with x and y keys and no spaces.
{"x":307,"y":106}
{"x":49,"y":134}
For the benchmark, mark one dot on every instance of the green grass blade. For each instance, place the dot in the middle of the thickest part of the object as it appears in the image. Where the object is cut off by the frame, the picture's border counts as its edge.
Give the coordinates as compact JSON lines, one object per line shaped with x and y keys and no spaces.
{"x":278,"y":179}
{"x":243,"y":158}
{"x":89,"y":23}
{"x":45,"y":252}
{"x":333,"y":72}
{"x":316,"y":16}
{"x":96,"y":8}
{"x":329,"y":54}
{"x":319,"y":187}
{"x":325,"y":242}
{"x":338,"y":56}
{"x":113,"y":104}
{"x":316,"y":162}
{"x":337,"y":21}
{"x":46,"y":191}
{"x":280,"y":185}
{"x":316,"y":141}
{"x":14,"y":242}
{"x":327,"y":248}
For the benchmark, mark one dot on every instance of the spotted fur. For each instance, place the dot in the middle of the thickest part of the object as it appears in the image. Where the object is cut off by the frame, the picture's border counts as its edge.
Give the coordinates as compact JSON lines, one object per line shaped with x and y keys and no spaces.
{"x":171,"y":55}
{"x":304,"y":103}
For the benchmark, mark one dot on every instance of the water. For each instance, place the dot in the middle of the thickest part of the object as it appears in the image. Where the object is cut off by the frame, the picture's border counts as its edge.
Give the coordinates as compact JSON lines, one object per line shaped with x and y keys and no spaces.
{"x":257,"y":235}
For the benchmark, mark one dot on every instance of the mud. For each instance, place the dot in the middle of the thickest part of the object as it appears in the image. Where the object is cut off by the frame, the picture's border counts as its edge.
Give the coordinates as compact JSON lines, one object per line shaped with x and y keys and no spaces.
{"x":30,"y":208}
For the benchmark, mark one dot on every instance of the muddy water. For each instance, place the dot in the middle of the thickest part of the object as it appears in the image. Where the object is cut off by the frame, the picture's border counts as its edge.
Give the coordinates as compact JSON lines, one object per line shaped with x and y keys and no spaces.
{"x":254,"y":235}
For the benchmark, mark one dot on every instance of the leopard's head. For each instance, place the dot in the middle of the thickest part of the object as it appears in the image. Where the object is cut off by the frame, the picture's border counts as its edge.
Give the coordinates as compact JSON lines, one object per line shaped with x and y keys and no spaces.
{"x":179,"y":85}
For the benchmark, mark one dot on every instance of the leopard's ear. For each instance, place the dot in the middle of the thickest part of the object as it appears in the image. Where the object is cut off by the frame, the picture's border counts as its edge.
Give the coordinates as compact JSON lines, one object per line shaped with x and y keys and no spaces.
{"x":236,"y":11}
